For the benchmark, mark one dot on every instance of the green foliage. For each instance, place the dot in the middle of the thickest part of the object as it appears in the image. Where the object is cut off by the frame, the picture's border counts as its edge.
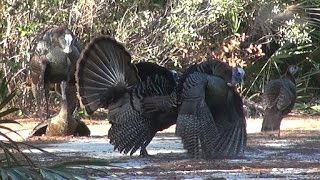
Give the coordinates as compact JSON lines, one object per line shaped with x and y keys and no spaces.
{"x":5,"y":98}
{"x":25,"y":172}
{"x":27,"y":29}
{"x":11,"y":166}
{"x":289,"y":36}
{"x":316,"y":108}
{"x":186,"y":20}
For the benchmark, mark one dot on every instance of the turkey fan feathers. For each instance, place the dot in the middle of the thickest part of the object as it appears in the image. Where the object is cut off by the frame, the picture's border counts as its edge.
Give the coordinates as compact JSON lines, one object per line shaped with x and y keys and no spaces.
{"x":106,"y":78}
{"x":105,"y":73}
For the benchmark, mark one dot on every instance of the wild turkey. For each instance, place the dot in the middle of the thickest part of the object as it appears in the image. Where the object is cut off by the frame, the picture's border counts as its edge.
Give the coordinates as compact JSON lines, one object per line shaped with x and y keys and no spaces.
{"x":55,"y":62}
{"x":211,"y":121}
{"x":106,"y":78}
{"x":279,"y":98}
{"x":54,"y":59}
{"x":64,"y":123}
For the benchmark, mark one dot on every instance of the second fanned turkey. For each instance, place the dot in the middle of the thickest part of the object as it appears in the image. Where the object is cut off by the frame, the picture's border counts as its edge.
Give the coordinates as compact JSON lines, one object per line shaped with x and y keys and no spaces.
{"x":210,"y":120}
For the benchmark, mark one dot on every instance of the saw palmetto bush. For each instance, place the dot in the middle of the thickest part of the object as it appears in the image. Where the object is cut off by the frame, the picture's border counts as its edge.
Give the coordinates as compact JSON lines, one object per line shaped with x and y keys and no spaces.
{"x":289,"y":32}
{"x":14,"y":163}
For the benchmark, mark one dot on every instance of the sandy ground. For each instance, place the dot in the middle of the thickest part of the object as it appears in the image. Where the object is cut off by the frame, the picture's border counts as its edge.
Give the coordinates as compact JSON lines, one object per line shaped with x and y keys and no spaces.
{"x":295,"y":155}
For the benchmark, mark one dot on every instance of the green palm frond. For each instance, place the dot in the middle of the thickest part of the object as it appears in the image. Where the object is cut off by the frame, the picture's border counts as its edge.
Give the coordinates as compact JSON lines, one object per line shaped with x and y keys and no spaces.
{"x":10,"y":165}
{"x":280,"y":21}
{"x":25,"y":172}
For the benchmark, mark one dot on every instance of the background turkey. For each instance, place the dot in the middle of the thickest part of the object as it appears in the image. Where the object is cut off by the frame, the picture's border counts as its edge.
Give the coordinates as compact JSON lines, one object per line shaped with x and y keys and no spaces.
{"x":211,"y":120}
{"x":54,"y":62}
{"x":54,"y":59}
{"x":278,"y":98}
{"x":106,"y":78}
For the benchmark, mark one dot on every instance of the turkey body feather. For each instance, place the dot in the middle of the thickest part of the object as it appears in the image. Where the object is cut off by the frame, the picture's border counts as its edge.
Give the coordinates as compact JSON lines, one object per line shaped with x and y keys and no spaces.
{"x":211,"y":121}
{"x":106,"y":78}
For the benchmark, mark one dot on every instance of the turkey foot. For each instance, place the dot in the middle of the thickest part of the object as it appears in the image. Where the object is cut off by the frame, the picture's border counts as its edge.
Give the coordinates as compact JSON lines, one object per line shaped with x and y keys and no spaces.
{"x":144,"y":153}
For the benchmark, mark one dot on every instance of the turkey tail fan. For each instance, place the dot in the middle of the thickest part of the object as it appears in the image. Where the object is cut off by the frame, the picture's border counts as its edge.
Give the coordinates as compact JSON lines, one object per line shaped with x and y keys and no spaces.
{"x":271,"y":119}
{"x":197,"y":131}
{"x":104,"y":73}
{"x":232,"y":135}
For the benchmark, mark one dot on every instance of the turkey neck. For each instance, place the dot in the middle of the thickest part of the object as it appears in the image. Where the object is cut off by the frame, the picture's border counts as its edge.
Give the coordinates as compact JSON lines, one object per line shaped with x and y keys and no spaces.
{"x":66,"y":105}
{"x":73,"y":56}
{"x":57,"y":65}
{"x":73,"y":102}
{"x":290,"y":77}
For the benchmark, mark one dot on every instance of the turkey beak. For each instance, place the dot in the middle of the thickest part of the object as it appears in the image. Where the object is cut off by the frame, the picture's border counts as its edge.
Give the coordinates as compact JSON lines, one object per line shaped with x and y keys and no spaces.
{"x":232,"y":83}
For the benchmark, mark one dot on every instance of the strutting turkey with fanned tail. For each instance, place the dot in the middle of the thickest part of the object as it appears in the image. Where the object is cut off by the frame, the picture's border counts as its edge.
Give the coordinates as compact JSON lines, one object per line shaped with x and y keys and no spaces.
{"x":106,"y":78}
{"x":279,"y":98}
{"x":211,"y":121}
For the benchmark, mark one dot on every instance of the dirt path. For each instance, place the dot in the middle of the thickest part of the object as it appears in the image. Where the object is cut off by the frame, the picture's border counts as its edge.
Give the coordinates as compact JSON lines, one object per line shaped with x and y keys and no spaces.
{"x":296,"y":155}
